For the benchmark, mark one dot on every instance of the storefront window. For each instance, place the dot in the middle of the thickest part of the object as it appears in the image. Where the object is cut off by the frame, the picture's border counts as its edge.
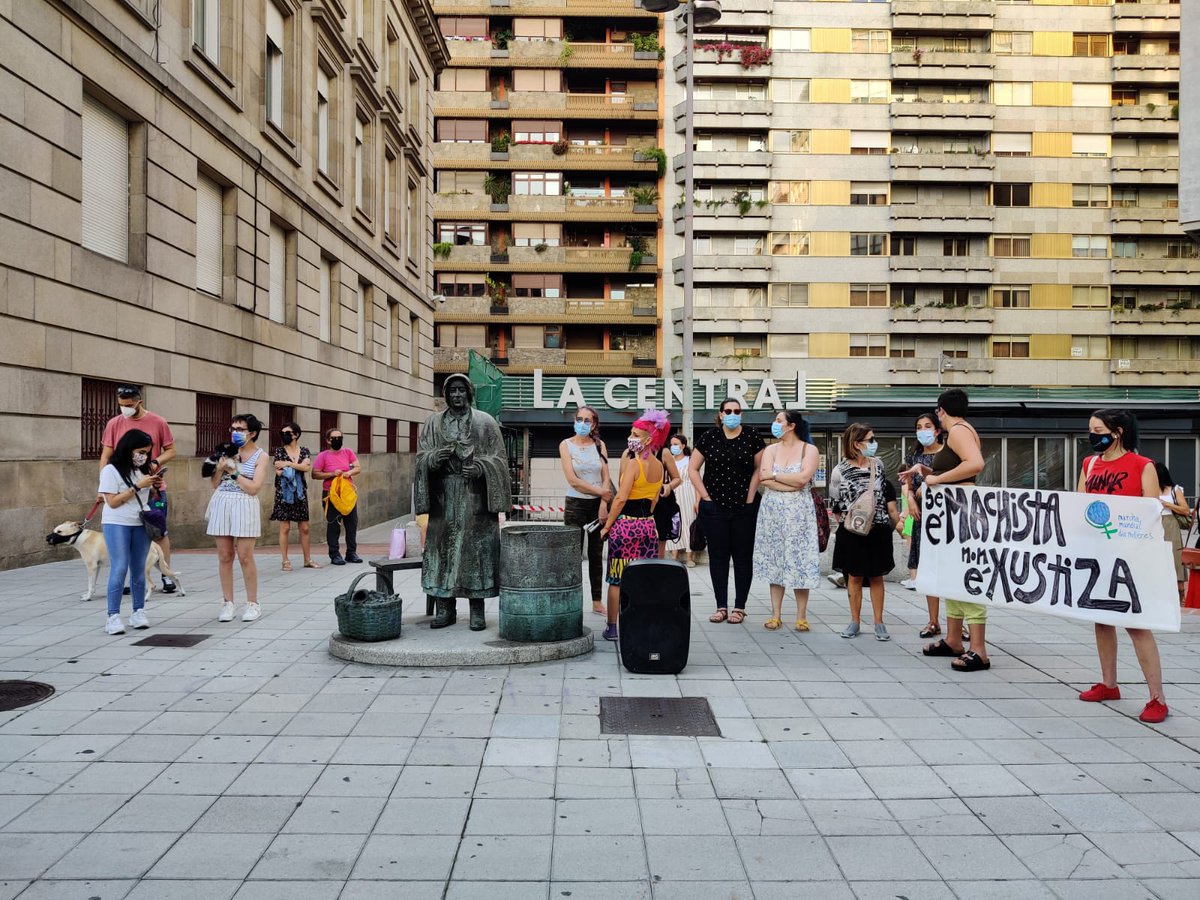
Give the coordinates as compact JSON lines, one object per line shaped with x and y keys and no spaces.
{"x":1019,"y":466}
{"x":1052,"y":464}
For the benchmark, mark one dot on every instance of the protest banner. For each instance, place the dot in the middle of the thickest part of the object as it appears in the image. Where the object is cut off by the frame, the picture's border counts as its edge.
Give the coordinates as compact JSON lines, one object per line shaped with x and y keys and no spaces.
{"x":1088,"y":557}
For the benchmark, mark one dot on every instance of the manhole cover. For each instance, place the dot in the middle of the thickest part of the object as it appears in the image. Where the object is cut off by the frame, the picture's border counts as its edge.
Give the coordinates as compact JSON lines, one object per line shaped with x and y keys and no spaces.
{"x":15,"y":694}
{"x":171,"y":640}
{"x":685,"y":716}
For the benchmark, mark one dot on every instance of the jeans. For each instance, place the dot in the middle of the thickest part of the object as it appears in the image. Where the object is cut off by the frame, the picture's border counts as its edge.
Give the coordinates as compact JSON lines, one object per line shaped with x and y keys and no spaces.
{"x":730,"y":534}
{"x":580,"y":512}
{"x":128,"y":547}
{"x":333,"y":522}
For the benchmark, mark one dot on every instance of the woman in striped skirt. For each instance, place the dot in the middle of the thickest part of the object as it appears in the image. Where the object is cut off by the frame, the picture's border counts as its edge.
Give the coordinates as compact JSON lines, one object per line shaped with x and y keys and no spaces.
{"x":234,"y":518}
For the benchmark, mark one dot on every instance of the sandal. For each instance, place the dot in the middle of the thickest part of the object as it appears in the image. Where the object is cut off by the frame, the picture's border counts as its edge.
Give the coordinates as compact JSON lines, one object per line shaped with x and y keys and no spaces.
{"x":970,"y":662}
{"x":309,"y":564}
{"x":287,"y":565}
{"x":599,"y":610}
{"x":930,"y":630}
{"x":802,"y":625}
{"x":941,"y":648}
{"x":737,"y":617}
{"x":720,"y":615}
{"x":772,"y":624}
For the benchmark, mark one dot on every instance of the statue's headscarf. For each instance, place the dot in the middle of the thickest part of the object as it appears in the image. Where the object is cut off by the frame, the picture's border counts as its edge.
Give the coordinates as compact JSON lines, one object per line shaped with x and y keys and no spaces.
{"x":458,"y":376}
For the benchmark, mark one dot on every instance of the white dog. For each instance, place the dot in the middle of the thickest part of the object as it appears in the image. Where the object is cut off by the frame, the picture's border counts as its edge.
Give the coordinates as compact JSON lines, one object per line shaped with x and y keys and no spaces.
{"x":91,"y":547}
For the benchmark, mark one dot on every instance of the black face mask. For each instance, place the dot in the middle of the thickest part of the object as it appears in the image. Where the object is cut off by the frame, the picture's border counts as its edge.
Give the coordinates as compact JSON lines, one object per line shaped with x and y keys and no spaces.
{"x":287,"y":438}
{"x":1100,"y":442}
{"x":335,"y":443}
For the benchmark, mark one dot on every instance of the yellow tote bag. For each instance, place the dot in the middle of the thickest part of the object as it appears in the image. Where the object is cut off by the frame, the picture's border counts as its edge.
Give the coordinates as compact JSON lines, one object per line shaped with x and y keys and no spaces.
{"x":342,"y":495}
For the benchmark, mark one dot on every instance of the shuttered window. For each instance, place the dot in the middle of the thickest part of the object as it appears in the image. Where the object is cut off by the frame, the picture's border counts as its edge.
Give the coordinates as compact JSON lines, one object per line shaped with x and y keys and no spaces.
{"x":97,"y":404}
{"x":273,"y":88}
{"x":105,"y":181}
{"x":278,"y":263}
{"x":326,"y":303}
{"x":213,"y":417}
{"x":209,"y":237}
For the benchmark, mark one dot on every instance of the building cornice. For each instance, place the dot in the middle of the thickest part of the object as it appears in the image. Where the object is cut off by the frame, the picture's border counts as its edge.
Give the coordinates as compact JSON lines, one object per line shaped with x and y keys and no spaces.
{"x":426,"y":22}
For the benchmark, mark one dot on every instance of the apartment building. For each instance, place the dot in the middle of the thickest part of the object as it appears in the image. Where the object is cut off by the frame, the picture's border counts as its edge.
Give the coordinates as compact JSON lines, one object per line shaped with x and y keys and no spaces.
{"x":1189,"y":125}
{"x":229,"y":204}
{"x":548,"y":179}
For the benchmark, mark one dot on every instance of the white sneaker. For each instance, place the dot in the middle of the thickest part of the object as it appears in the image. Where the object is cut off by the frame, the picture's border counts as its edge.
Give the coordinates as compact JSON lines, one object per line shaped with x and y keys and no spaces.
{"x":252,"y":612}
{"x":115,"y":625}
{"x":226,"y":612}
{"x":138,"y":619}
{"x":837,"y":579}
{"x":908,"y":584}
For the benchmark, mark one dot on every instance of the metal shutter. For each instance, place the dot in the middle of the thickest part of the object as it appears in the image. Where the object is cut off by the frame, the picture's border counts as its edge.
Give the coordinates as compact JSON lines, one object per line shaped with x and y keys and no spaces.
{"x":209,"y":242}
{"x":105,"y":181}
{"x":278,"y":263}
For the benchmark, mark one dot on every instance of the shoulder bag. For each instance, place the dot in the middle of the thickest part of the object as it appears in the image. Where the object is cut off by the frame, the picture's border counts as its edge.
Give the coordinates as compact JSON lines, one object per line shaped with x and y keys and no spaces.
{"x":860,"y":516}
{"x":153,"y":520}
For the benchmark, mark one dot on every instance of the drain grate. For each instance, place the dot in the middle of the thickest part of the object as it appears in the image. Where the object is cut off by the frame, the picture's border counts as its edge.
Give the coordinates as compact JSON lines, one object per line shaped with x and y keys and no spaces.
{"x":684,"y":716}
{"x":171,"y":640}
{"x":15,"y":694}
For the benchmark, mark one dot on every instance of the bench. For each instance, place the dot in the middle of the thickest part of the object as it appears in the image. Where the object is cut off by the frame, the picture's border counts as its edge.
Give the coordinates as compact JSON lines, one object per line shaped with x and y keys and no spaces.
{"x":383,"y":575}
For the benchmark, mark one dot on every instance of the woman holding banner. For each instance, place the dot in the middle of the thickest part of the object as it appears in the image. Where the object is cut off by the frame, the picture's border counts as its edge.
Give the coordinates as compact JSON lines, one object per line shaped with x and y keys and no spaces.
{"x":958,"y":462}
{"x":1118,"y":469}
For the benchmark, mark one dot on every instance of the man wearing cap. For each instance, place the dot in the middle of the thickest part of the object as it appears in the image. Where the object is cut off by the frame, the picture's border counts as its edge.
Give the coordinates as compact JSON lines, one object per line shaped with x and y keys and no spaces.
{"x":135,"y":415}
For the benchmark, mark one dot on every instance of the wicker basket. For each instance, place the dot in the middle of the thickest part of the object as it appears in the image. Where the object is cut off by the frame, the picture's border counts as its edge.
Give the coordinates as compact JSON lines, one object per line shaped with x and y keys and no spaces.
{"x":367,"y":615}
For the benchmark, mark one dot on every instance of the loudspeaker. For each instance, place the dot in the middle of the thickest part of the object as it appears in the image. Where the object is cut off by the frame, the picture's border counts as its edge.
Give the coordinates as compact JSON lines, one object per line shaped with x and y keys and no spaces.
{"x":655,"y":617}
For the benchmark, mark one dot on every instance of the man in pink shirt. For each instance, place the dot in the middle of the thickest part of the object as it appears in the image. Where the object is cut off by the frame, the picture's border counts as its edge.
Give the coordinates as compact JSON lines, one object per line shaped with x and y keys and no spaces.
{"x":135,"y":415}
{"x":337,"y":460}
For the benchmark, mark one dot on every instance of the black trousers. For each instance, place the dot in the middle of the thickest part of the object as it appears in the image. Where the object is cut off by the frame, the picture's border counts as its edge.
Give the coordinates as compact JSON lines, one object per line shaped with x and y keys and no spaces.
{"x":580,"y":512}
{"x":334,"y":521}
{"x":730,"y":534}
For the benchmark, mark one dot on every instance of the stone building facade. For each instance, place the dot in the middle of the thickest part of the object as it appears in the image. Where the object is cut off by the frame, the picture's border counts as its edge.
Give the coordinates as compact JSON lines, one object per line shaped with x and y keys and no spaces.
{"x":228,"y":203}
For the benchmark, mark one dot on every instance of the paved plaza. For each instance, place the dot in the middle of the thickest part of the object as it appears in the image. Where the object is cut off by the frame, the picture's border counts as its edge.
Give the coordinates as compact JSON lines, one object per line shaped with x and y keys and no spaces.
{"x":256,"y":766}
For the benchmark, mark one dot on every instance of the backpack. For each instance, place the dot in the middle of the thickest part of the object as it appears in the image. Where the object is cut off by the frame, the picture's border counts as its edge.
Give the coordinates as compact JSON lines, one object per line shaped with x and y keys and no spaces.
{"x":860,"y":517}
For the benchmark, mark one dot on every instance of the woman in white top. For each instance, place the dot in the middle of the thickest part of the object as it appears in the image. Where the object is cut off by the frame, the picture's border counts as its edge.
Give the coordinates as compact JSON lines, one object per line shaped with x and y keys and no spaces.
{"x":234,"y":517}
{"x":1174,"y":503}
{"x":589,"y":489}
{"x":685,"y":493}
{"x":125,"y":484}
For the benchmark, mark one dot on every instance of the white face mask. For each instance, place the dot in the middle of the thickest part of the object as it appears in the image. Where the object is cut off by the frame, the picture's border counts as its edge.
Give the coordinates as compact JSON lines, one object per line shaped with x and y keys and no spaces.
{"x":129,"y":411}
{"x":139,"y":459}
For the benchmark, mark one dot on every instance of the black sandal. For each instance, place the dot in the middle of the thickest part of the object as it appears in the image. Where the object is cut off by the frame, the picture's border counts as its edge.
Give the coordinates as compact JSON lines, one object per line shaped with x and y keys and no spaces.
{"x":930,"y":630}
{"x":970,"y":662}
{"x":941,"y":648}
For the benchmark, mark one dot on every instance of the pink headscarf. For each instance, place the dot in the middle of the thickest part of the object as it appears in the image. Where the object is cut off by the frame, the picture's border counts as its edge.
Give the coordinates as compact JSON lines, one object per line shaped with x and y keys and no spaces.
{"x":658,"y":424}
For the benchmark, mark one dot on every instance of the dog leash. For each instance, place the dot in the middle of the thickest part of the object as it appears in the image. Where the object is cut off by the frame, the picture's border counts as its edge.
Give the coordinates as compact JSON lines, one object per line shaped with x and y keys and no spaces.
{"x":86,"y":521}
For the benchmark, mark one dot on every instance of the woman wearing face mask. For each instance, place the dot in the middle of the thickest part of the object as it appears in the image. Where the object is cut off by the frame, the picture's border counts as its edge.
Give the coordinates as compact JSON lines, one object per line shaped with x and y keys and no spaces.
{"x":233,"y":515}
{"x":863,"y":558}
{"x":785,"y":542}
{"x":730,"y":456}
{"x":292,"y":462}
{"x":685,"y":494}
{"x":1118,"y":469}
{"x":1174,"y":503}
{"x":629,"y":526}
{"x":125,"y":485}
{"x":666,"y":510}
{"x":589,"y":489}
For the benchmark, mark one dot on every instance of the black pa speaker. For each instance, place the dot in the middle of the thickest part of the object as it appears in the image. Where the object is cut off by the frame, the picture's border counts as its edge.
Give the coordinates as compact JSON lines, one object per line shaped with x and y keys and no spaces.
{"x":655,"y":617}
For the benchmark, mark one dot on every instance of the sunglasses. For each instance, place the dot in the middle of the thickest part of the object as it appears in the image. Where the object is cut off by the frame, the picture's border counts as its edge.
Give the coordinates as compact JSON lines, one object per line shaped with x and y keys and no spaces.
{"x":730,"y":412}
{"x":289,"y":434}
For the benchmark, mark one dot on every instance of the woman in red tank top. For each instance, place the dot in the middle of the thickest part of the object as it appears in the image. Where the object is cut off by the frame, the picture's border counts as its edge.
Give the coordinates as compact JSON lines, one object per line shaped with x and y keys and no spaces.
{"x":1117,"y":469}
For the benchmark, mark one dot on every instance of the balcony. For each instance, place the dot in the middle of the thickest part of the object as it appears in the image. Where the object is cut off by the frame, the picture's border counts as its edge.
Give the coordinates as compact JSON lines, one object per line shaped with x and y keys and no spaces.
{"x":959,"y":117}
{"x":723,"y":115}
{"x":959,"y":168}
{"x":745,"y":13}
{"x":938,"y":270}
{"x":1155,"y":272}
{"x":1153,"y":372}
{"x":1146,"y":18}
{"x":1143,"y":69}
{"x":605,"y":9}
{"x":549,"y":259}
{"x":1146,"y":170}
{"x":542,"y":156}
{"x":725,"y":217}
{"x":544,"y":209}
{"x":709,"y":67}
{"x":725,"y":268}
{"x":936,"y":65}
{"x":924,"y":370}
{"x":1144,"y":120}
{"x":934,"y":15}
{"x":545,"y":104}
{"x":547,"y":310}
{"x":1166,"y":322}
{"x":1145,"y":220}
{"x":932,"y":218}
{"x":571,"y":55}
{"x":725,"y":165}
{"x":938,"y":319}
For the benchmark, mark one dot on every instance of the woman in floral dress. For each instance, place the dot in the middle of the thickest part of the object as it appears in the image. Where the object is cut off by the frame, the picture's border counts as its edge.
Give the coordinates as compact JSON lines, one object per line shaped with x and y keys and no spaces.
{"x":292,"y":463}
{"x":785,"y":543}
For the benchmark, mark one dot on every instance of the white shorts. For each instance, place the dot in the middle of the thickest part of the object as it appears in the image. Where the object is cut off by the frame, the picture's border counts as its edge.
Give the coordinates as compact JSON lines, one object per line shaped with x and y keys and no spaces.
{"x":233,"y":514}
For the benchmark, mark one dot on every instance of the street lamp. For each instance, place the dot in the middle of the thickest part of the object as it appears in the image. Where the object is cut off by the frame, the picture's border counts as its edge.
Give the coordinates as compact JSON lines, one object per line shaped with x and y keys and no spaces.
{"x":945,"y":364}
{"x":696,"y":13}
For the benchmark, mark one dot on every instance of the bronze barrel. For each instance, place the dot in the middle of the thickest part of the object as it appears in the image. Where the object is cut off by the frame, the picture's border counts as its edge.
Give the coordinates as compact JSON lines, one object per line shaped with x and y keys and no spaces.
{"x":541,"y":583}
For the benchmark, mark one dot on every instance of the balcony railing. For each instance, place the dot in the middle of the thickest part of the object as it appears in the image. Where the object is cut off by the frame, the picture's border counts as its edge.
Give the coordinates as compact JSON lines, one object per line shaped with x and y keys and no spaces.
{"x":479,"y":156}
{"x":942,"y":65}
{"x":922,"y":116}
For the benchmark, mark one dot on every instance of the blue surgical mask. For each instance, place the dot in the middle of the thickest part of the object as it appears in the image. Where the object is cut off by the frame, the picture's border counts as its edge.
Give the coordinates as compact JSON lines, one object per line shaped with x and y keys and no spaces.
{"x":871,"y":449}
{"x":733,"y":421}
{"x":238,"y":438}
{"x":583,"y":429}
{"x":676,"y":450}
{"x":926,"y":436}
{"x":776,"y":430}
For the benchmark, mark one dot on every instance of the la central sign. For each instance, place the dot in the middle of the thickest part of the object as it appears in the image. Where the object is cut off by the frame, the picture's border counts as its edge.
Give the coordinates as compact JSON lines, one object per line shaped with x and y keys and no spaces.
{"x":666,"y":393}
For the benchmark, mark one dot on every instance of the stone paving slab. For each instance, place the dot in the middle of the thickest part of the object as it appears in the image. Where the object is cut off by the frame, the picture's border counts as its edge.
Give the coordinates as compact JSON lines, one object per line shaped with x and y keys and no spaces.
{"x":256,"y":765}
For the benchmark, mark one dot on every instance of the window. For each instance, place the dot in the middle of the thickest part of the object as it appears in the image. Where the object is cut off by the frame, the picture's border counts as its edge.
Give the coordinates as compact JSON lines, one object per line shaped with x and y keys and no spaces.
{"x":1089,"y":195}
{"x":364,"y":435}
{"x":326,"y":123}
{"x":904,"y":245}
{"x":413,"y":215}
{"x":1124,"y":248}
{"x":1087,"y":346}
{"x":868,"y":345}
{"x":451,"y":182}
{"x":955,"y":296}
{"x":956,"y":247}
{"x":537,"y":80}
{"x":529,"y":29}
{"x":273,"y":84}
{"x":461,"y":336}
{"x":789,"y":243}
{"x":1012,"y":144}
{"x":869,"y":40}
{"x":364,"y":302}
{"x":788,"y":346}
{"x":1089,"y":296}
{"x":462,"y":131}
{"x":414,"y":345}
{"x":98,"y":404}
{"x":741,"y":298}
{"x":752,"y":246}
{"x":461,"y":284}
{"x":870,"y":91}
{"x":537,"y":184}
{"x":1008,"y":346}
{"x":277,"y":305}
{"x":798,"y":40}
{"x":391,"y":333}
{"x":1089,"y":145}
{"x":278,"y":416}
{"x":868,"y":295}
{"x":206,"y":31}
{"x":1010,"y":195}
{"x":903,"y":346}
{"x":793,"y":193}
{"x":1012,"y":43}
{"x":868,"y":193}
{"x":869,"y":143}
{"x":790,"y":90}
{"x":790,"y":141}
{"x":531,"y":234}
{"x":904,"y":295}
{"x":463,"y":234}
{"x":1095,"y":95}
{"x":391,"y":196}
{"x":1124,"y":97}
{"x":1124,"y":298}
{"x":1010,"y":245}
{"x":364,"y":163}
{"x":392,"y":55}
{"x":536,"y":131}
{"x":329,"y":421}
{"x":1181,"y":249}
{"x":537,"y":285}
{"x":213,"y":415}
{"x":105,"y":208}
{"x":868,"y":244}
{"x":464,"y":28}
{"x":1089,"y":45}
{"x":1012,"y":93}
{"x":956,"y":347}
{"x":325,"y":301}
{"x":210,"y":244}
{"x":1089,"y":245}
{"x":463,"y":80}
{"x":392,"y":435}
{"x":789,"y":294}
{"x":416,"y":102}
{"x":1012,"y":296}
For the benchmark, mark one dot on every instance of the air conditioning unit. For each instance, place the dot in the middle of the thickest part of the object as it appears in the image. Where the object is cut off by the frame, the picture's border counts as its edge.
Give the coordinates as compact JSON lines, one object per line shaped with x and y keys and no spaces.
{"x":1122,"y":364}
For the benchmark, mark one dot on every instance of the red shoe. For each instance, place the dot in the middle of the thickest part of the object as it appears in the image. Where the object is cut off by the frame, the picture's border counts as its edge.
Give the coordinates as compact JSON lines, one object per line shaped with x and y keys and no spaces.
{"x":1154,"y":712}
{"x":1098,"y":692}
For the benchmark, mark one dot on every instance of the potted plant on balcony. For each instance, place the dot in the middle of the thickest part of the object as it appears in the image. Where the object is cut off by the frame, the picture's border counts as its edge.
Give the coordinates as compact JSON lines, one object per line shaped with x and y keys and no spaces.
{"x":560,"y":148}
{"x":743,"y":200}
{"x":500,"y":42}
{"x":497,"y":292}
{"x":652,"y":154}
{"x":498,"y":188}
{"x":754,"y":55}
{"x":645,"y":199}
{"x":638,"y":248}
{"x":645,"y":46}
{"x":500,"y":145}
{"x":441,"y":250}
{"x":540,"y":247}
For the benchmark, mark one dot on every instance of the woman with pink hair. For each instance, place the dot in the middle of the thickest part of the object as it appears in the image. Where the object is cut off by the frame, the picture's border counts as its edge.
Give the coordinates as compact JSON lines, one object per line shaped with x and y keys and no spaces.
{"x":630,"y":525}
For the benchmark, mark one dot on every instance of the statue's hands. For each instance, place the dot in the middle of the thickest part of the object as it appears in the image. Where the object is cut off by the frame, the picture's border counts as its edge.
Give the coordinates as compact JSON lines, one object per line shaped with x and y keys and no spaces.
{"x":441,"y":456}
{"x":473,"y":469}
